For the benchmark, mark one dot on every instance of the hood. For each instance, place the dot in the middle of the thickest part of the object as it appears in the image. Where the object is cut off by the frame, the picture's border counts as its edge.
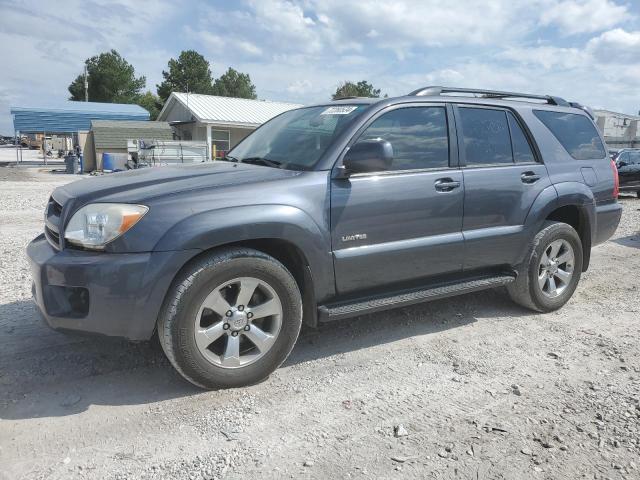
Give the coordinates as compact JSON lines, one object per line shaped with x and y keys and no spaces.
{"x":146,"y":183}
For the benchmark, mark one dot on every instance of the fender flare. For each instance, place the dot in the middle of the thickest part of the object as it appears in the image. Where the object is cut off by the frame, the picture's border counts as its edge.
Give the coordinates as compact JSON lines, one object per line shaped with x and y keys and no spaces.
{"x":218,"y":227}
{"x":561,"y":195}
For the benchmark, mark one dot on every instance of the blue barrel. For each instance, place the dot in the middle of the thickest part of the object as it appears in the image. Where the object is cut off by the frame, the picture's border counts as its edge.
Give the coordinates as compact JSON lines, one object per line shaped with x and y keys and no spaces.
{"x":107,"y":161}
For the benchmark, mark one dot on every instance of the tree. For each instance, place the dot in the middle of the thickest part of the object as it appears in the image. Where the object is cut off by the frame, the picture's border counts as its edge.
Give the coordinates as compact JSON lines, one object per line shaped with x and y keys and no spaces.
{"x":111,"y":79}
{"x":234,"y":84}
{"x":189,"y":73}
{"x":151,"y":103}
{"x":360,"y":89}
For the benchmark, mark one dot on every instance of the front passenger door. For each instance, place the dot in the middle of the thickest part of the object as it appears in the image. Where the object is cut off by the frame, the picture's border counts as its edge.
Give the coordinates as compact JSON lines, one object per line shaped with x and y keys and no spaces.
{"x":403,"y":224}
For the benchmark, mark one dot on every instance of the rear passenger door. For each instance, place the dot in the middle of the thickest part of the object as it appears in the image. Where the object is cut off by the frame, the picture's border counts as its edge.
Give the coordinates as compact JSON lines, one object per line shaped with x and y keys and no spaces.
{"x":502,"y":179}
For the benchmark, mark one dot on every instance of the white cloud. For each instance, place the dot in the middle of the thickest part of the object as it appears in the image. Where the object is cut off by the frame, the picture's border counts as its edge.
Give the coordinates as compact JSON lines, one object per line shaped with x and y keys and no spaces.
{"x":616,"y":46}
{"x":299,"y":50}
{"x":583,"y":16}
{"x":404,"y":24}
{"x":547,"y":56}
{"x":46,"y":43}
{"x":300,"y":87}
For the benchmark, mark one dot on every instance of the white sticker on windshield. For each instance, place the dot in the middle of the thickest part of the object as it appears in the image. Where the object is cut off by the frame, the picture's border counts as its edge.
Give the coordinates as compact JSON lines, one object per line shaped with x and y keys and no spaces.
{"x":341,"y":110}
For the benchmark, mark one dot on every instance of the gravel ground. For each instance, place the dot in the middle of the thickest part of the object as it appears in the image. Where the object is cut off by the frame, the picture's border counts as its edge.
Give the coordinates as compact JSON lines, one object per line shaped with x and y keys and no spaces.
{"x":470,"y":387}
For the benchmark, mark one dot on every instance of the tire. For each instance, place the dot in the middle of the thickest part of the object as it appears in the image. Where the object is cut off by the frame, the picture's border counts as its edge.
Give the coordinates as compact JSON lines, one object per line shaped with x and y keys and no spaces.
{"x":531,"y":289}
{"x":193,"y":307}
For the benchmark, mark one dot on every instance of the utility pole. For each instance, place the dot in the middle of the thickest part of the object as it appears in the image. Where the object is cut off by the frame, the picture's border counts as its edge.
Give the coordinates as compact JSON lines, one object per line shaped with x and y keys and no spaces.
{"x":86,"y":85}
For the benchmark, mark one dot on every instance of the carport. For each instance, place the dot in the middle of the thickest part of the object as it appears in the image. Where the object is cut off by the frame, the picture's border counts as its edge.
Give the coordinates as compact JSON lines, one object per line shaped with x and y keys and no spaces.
{"x":72,"y":119}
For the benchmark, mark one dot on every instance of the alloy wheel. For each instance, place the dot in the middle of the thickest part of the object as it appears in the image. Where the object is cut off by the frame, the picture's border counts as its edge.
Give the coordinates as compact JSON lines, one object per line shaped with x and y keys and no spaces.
{"x":238,"y":322}
{"x":556,"y":268}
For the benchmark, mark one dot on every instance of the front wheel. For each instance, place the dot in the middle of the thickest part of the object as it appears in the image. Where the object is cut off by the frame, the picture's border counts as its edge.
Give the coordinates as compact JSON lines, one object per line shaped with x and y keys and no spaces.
{"x":551,"y":271}
{"x":231,"y":318}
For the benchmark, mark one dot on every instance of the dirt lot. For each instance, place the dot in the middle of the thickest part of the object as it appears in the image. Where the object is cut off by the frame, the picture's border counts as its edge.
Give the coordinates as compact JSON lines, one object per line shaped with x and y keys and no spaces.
{"x":471,"y":387}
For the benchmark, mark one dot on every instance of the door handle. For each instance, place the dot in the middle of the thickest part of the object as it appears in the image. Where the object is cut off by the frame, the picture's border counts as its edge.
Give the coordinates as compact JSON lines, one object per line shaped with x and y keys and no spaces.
{"x":529,"y":177}
{"x":446,"y":184}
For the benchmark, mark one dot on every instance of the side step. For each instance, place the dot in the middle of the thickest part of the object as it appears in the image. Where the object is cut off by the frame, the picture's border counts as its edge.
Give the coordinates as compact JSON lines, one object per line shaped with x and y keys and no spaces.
{"x":338,"y":311}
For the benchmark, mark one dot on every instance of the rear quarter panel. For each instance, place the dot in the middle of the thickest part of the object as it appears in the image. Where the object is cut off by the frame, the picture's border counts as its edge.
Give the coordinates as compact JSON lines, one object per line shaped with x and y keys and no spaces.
{"x":595,"y":174}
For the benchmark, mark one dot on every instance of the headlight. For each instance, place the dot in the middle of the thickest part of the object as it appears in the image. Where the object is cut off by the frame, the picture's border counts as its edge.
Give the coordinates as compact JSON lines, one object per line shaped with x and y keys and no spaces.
{"x":96,"y":224}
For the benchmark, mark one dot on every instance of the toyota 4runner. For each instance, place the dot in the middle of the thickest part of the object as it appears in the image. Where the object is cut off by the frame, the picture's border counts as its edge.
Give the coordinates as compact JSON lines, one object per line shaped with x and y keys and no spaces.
{"x":328,"y":212}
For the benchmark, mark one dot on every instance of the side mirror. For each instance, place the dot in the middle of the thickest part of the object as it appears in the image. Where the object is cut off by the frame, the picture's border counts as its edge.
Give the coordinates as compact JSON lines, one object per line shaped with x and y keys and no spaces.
{"x":368,"y":156}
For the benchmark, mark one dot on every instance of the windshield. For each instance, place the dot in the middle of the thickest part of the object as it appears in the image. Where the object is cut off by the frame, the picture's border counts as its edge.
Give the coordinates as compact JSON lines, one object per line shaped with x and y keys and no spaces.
{"x":296,"y":139}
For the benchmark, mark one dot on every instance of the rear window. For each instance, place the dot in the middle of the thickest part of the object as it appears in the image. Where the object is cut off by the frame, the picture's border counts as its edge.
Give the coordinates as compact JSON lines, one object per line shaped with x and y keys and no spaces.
{"x":576,"y":133}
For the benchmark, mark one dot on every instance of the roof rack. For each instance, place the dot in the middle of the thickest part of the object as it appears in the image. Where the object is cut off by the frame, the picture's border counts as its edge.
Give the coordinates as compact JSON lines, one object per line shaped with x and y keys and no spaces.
{"x":435,"y":91}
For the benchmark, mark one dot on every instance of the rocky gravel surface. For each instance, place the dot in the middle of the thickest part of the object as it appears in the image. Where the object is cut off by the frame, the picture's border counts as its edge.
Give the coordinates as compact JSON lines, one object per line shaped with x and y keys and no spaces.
{"x":470,"y":387}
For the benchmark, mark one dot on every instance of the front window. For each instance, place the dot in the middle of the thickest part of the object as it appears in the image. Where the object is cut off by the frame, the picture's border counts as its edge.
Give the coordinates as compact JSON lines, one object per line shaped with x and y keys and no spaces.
{"x":418,"y":136}
{"x":296,"y":139}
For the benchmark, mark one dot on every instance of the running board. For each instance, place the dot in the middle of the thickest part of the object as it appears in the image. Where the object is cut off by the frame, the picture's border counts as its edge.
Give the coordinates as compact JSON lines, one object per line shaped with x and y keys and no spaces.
{"x":338,"y":311}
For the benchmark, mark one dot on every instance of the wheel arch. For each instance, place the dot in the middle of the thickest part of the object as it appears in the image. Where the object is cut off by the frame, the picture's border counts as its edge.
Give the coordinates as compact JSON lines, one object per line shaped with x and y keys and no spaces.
{"x":569,"y":202}
{"x":286,"y":233}
{"x":577,"y":217}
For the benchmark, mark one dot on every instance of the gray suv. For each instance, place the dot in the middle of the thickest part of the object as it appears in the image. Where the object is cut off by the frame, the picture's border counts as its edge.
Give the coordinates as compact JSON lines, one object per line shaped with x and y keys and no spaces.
{"x":328,"y":212}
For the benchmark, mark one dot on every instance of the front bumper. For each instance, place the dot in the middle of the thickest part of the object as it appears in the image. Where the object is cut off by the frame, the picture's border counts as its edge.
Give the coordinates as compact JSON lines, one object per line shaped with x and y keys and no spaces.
{"x":109,"y":294}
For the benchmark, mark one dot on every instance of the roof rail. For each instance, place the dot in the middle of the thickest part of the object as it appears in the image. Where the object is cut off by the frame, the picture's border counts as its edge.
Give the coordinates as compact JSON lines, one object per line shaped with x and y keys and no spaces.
{"x":348,"y":97}
{"x":584,"y":108}
{"x":435,"y":91}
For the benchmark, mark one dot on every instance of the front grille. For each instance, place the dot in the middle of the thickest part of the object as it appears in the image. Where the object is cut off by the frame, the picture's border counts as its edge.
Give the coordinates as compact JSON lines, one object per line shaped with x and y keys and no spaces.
{"x":52,"y":222}
{"x":55,"y":207}
{"x":53,"y":237}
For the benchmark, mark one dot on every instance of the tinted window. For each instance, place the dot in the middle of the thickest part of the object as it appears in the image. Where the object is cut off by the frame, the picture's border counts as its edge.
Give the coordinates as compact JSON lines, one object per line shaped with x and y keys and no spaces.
{"x":485,"y":136}
{"x":521,"y":149}
{"x":418,"y":136}
{"x":575,"y":132}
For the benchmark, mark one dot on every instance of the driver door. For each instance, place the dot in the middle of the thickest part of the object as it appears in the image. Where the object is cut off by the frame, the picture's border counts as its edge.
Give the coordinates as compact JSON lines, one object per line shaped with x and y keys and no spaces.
{"x":403,"y":224}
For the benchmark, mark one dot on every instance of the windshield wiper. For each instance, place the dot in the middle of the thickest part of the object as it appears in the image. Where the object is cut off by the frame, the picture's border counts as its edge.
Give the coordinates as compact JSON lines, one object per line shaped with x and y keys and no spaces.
{"x":228,"y":158}
{"x":262,"y":161}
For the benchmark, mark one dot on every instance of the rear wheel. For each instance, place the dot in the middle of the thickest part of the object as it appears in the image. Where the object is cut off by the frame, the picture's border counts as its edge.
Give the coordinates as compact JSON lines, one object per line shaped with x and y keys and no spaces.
{"x":231,"y":318}
{"x":551,"y":271}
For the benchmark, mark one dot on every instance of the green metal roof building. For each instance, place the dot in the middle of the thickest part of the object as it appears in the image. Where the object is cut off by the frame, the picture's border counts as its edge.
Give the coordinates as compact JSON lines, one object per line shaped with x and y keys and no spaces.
{"x":113,"y":134}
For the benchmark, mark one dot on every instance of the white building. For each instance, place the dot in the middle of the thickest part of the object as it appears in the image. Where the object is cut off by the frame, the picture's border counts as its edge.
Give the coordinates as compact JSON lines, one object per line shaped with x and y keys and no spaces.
{"x":620,"y":130}
{"x":220,"y":121}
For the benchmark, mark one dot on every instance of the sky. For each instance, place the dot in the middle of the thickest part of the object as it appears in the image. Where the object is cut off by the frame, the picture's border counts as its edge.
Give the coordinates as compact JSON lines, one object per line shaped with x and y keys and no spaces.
{"x":300,"y":50}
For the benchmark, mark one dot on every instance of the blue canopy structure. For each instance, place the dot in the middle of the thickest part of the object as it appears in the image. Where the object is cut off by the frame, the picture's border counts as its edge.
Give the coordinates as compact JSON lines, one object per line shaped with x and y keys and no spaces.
{"x":71,"y":117}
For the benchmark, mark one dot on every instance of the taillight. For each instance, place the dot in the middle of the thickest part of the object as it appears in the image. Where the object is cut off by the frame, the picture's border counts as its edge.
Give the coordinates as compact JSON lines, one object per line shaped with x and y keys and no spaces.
{"x":616,"y":180}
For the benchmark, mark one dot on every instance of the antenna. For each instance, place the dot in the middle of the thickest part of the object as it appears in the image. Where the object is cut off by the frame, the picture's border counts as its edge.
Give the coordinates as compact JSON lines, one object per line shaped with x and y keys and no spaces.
{"x":86,"y":84}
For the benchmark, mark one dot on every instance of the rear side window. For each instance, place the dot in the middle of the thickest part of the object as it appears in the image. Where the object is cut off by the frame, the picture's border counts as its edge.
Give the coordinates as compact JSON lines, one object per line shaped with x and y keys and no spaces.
{"x":486,"y":136}
{"x":576,"y":133}
{"x":522,"y":152}
{"x":418,"y":136}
